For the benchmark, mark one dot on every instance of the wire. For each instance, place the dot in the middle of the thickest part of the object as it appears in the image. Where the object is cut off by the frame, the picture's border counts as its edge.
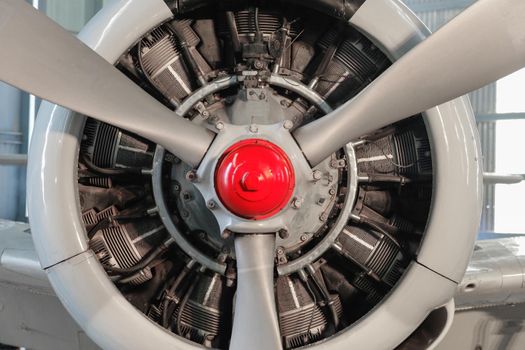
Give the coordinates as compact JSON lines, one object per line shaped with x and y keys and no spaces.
{"x":183,"y":305}
{"x":106,"y":222}
{"x":166,"y":302}
{"x":257,"y":28}
{"x":108,"y":171}
{"x":326,"y":297}
{"x":387,"y":156}
{"x":386,"y":233}
{"x":143,"y":263}
{"x":102,"y":224}
{"x":314,"y":297}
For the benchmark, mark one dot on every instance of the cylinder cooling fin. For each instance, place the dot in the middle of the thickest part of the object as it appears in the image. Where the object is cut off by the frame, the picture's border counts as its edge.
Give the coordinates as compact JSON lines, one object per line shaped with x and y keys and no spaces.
{"x":350,"y":238}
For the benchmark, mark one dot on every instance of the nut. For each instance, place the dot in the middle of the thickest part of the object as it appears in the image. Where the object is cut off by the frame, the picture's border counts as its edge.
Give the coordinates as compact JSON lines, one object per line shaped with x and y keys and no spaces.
{"x":226,"y":234}
{"x":288,"y":124}
{"x":219,"y":126}
{"x":284,"y":234}
{"x":297,"y":202}
{"x":191,"y":176}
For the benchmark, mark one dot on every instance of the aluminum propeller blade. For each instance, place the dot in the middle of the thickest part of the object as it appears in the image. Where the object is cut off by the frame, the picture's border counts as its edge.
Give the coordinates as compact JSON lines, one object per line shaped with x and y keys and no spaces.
{"x":40,"y":57}
{"x":484,"y":43}
{"x":255,"y":323}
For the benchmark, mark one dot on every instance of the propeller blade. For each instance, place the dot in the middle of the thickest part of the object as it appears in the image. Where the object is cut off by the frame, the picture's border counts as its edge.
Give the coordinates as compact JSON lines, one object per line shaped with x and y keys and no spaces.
{"x":40,"y":57}
{"x":255,"y":322}
{"x":482,"y":44}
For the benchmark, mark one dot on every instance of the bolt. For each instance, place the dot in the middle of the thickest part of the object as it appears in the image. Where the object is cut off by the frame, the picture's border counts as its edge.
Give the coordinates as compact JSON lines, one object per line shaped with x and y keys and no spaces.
{"x":284,"y":234}
{"x":323,"y":217}
{"x":297,"y":202}
{"x":219,"y":126}
{"x":186,"y":196}
{"x":254,"y":128}
{"x":317,"y":174}
{"x":184,"y":214}
{"x":331,"y":191}
{"x":303,"y":237}
{"x":152,"y":211}
{"x":226,"y":234}
{"x":211,"y":204}
{"x":205,"y":114}
{"x":280,"y":251}
{"x":258,"y":65}
{"x":191,"y":176}
{"x":288,"y":124}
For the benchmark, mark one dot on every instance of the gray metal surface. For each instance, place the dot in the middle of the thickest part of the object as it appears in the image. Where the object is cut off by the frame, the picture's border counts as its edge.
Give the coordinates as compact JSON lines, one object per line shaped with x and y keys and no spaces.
{"x":456,"y":162}
{"x":435,"y":13}
{"x":12,"y":159}
{"x":69,"y":73}
{"x":494,"y":328}
{"x":305,"y":188}
{"x":491,"y":298}
{"x":495,"y":275}
{"x":30,"y":314}
{"x":455,"y":60}
{"x":328,"y":241}
{"x":166,"y":218}
{"x":102,"y":311}
{"x":59,"y":235}
{"x":114,"y":323}
{"x":255,"y":323}
{"x":301,"y":89}
{"x":418,"y":293}
{"x":54,"y":212}
{"x":508,"y":179}
{"x":58,"y":231}
{"x":10,"y":145}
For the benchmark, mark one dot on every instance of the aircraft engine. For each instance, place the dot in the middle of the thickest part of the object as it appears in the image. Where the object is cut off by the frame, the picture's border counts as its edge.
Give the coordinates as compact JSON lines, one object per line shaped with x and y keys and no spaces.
{"x":366,"y":246}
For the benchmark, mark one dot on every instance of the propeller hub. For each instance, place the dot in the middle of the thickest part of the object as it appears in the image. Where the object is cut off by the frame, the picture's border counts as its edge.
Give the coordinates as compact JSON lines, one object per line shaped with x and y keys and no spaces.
{"x":254,"y":179}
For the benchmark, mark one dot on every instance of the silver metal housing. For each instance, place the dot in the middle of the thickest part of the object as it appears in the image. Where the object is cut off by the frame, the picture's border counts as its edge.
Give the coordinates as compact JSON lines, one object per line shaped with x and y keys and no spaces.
{"x":106,"y":316}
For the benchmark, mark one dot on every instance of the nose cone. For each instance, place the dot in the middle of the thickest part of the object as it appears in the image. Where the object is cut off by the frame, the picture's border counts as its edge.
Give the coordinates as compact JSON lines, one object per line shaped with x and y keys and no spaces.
{"x":254,"y":179}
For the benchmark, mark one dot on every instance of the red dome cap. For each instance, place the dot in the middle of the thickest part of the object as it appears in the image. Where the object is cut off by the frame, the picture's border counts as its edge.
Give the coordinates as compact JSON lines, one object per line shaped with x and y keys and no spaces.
{"x":254,"y":179}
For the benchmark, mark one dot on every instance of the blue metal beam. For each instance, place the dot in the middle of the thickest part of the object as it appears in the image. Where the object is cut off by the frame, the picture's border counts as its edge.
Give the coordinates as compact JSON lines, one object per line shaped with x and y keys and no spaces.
{"x":420,"y":6}
{"x":491,"y":117}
